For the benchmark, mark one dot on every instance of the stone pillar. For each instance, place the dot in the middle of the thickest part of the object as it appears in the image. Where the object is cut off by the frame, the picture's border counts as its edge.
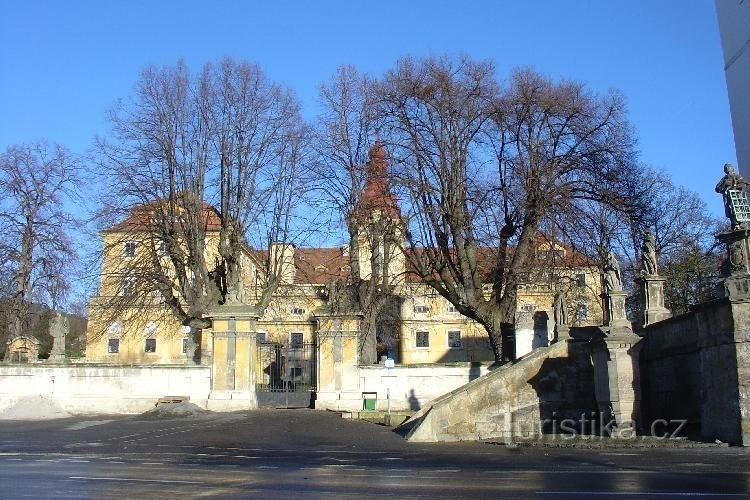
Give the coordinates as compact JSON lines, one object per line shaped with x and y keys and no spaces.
{"x":616,"y":368}
{"x":232,"y":341}
{"x":59,"y":326}
{"x":338,"y":385}
{"x":523,"y":333}
{"x":617,"y":380}
{"x":725,"y":411}
{"x":652,"y":299}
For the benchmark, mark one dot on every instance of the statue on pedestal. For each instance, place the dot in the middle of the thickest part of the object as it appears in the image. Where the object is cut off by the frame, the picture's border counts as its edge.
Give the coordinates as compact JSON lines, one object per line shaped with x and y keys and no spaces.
{"x":612,"y":274}
{"x":560,"y":309}
{"x":732,"y":187}
{"x":649,"y":264}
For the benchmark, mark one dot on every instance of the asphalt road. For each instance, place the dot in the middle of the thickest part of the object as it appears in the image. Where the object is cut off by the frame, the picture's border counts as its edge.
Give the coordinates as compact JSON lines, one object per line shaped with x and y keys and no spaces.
{"x":303,"y":453}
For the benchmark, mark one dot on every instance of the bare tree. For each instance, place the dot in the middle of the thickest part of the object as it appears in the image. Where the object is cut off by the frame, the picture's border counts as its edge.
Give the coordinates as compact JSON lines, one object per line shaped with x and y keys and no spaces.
{"x":195,"y":157}
{"x":487,"y":168}
{"x":352,"y":180}
{"x":36,"y":251}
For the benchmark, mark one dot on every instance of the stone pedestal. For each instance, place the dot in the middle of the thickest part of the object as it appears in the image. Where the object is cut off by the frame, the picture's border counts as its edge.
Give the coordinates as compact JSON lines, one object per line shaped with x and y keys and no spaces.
{"x":652,"y":299}
{"x":736,"y":271}
{"x":616,"y":379}
{"x":615,"y":316}
{"x":232,"y":341}
{"x":562,"y":332}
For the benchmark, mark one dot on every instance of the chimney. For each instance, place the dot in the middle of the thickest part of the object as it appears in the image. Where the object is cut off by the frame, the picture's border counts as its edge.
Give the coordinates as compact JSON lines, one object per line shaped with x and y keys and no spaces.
{"x":281,"y":262}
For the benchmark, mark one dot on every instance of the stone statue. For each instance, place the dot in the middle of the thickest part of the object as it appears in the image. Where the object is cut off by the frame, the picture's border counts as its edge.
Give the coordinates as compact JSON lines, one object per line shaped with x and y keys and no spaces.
{"x":59,"y":326}
{"x":732,"y":187}
{"x":612,"y":274}
{"x":649,"y":264}
{"x":560,"y":308}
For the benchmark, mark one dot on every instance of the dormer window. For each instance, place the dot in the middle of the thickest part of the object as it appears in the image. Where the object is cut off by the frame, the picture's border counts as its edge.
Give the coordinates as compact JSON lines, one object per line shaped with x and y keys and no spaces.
{"x":421,"y":309}
{"x":296,"y":311}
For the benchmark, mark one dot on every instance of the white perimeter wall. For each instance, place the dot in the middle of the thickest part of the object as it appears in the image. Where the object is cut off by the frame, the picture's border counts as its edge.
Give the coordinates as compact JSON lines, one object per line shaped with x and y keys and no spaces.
{"x":102,"y":389}
{"x":411,"y":387}
{"x":86,"y":389}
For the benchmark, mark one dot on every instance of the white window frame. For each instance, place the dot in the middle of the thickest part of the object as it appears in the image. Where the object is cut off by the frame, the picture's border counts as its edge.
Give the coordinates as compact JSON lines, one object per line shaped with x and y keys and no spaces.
{"x":421,"y":309}
{"x":185,"y":344}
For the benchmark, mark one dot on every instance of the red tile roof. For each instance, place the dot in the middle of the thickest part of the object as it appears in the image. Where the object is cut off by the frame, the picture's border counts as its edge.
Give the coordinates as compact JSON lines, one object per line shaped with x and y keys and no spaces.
{"x":321,"y":265}
{"x":140,"y":218}
{"x":377,"y":195}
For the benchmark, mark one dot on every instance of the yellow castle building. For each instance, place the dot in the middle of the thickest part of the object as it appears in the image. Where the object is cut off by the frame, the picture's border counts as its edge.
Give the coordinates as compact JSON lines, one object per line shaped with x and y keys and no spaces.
{"x":417,"y":326}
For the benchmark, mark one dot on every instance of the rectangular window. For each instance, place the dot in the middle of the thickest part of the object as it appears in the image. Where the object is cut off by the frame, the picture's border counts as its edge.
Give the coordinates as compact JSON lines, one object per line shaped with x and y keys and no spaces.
{"x":451,"y":309}
{"x":581,"y":279}
{"x":113,"y":346}
{"x":127,"y":286}
{"x":185,"y":344}
{"x":423,"y":339}
{"x":150,"y":346}
{"x":128,"y":249}
{"x":454,"y":339}
{"x":421,"y":309}
{"x":260,"y":337}
{"x":161,"y":248}
{"x":295,"y":340}
{"x":582,"y":311}
{"x":295,"y":373}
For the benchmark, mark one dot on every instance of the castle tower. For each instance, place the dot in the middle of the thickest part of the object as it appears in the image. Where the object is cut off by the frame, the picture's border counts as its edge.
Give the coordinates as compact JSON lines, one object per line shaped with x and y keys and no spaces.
{"x":376,"y":224}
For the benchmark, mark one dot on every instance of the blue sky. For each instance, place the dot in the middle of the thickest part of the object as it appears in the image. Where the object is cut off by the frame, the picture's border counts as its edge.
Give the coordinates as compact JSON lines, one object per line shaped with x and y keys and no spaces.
{"x":63,"y":63}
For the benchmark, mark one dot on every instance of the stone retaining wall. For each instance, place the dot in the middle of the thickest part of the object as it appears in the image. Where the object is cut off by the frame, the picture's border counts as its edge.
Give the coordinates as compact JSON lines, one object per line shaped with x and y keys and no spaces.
{"x":696,"y":367}
{"x":518,"y":400}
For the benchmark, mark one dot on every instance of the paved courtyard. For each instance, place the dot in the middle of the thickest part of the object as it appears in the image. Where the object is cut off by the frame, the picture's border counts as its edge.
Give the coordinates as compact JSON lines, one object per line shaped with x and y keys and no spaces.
{"x":304,"y":453}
